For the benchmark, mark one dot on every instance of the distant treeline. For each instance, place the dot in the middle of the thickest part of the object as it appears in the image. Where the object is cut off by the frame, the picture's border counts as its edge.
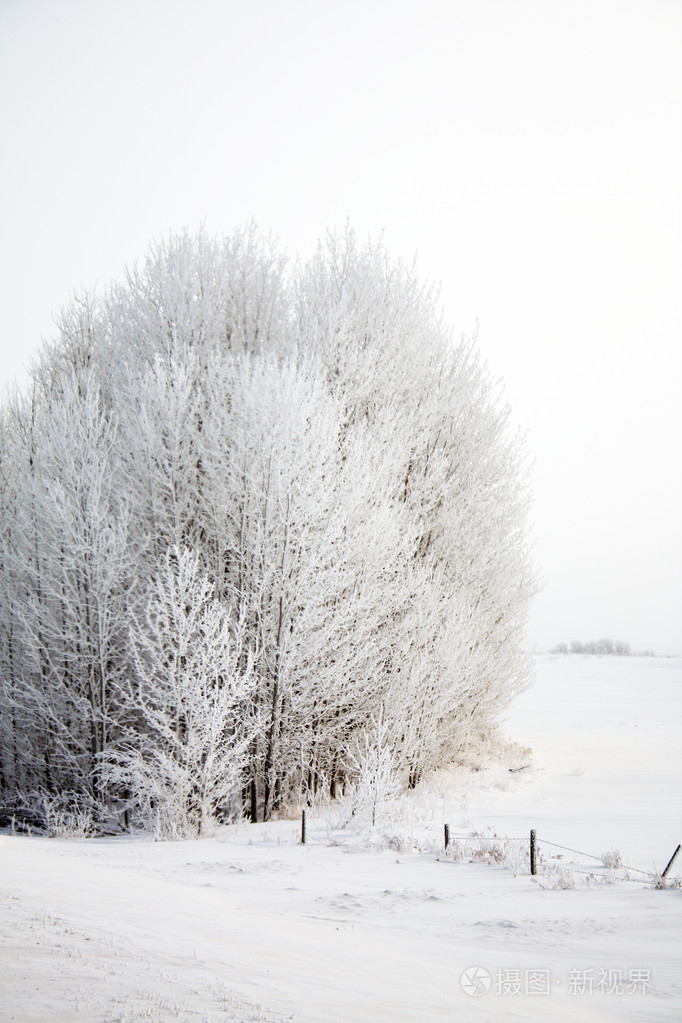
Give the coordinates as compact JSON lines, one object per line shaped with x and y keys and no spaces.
{"x":607,"y":647}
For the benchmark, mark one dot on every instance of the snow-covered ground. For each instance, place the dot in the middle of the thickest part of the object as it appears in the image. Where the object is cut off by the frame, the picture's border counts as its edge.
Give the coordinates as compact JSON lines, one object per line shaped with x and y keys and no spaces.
{"x":362,"y":928}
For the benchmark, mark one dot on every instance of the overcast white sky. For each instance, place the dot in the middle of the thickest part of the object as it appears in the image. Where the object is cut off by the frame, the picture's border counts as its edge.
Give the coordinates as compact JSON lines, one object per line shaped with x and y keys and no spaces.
{"x":528,"y":151}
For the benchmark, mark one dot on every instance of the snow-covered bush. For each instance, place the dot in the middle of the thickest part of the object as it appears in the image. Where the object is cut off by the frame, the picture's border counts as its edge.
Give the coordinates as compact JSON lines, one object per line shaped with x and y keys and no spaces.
{"x":60,"y":815}
{"x":69,"y":816}
{"x":555,"y":877}
{"x":373,"y":762}
{"x":613,"y":859}
{"x":671,"y":881}
{"x":490,"y":848}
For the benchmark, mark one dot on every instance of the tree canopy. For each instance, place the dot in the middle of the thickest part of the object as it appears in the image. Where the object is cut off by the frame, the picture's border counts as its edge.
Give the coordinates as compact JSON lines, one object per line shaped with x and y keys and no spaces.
{"x":248,"y":510}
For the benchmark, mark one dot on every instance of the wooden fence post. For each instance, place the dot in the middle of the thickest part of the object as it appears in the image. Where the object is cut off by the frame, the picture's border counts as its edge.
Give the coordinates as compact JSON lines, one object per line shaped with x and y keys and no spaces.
{"x":302,"y":827}
{"x":533,"y":852}
{"x":446,"y":830}
{"x":670,"y":863}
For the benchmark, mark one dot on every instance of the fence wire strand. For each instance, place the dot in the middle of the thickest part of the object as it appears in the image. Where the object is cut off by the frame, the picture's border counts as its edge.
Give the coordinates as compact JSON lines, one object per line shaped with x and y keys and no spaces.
{"x":590,"y":856}
{"x":578,"y":852}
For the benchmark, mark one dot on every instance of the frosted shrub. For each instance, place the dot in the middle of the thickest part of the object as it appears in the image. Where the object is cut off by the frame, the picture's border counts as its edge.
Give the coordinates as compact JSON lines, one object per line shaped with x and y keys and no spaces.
{"x":557,"y":878}
{"x":491,"y":849}
{"x":377,"y":784}
{"x":67,"y":815}
{"x":613,"y":859}
{"x":658,"y":881}
{"x":395,"y":839}
{"x":517,"y":858}
{"x":423,"y":802}
{"x":601,"y":879}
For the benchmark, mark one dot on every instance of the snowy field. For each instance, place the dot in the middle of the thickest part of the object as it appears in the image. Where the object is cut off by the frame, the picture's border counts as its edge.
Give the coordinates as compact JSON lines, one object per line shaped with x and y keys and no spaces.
{"x":383,"y":927}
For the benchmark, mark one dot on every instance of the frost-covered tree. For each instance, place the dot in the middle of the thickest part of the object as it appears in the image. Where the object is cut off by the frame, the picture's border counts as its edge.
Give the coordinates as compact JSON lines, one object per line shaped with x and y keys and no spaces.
{"x":192,"y":696}
{"x":374,"y":761}
{"x":66,"y":564}
{"x":457,"y":470}
{"x":326,"y":471}
{"x":305,"y":550}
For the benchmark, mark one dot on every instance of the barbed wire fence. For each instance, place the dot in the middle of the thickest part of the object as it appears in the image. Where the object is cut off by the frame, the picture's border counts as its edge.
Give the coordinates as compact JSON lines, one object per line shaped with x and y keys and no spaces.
{"x":612,"y":862}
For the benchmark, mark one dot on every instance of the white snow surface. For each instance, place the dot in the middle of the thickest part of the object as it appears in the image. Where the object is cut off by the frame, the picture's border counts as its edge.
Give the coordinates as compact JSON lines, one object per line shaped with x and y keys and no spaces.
{"x":362,"y":926}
